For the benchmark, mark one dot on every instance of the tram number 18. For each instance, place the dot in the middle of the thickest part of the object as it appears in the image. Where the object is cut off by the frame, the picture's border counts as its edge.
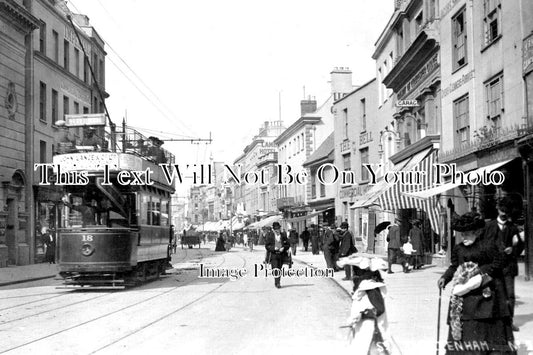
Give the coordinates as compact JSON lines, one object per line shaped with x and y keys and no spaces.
{"x":87,"y":238}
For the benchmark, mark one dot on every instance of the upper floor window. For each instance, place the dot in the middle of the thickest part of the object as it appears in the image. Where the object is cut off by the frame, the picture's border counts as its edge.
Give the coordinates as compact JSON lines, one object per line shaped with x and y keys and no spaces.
{"x":66,"y":55}
{"x":419,"y":21}
{"x":42,"y":37}
{"x":55,"y":105}
{"x":77,"y":61}
{"x":492,"y":20}
{"x":461,"y":117}
{"x":494,"y":98}
{"x":55,"y":38}
{"x":364,"y":160}
{"x":459,"y":39}
{"x":42,"y":101}
{"x":363,"y":115}
{"x":346,"y":162}
{"x":345,"y":118}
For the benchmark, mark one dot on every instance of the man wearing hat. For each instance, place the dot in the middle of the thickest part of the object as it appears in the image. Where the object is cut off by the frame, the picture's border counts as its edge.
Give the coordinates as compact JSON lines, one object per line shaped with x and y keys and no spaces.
{"x":331,"y":245}
{"x":347,"y":247}
{"x":393,"y":238}
{"x":277,"y":245}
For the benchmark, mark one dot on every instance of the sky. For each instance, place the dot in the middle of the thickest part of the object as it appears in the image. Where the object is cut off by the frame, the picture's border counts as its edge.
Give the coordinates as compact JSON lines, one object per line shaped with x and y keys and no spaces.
{"x":188,"y":69}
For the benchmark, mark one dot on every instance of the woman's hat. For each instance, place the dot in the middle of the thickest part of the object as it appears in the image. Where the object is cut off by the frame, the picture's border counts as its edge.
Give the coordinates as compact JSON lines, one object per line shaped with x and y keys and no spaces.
{"x":470,"y":221}
{"x":276,"y":225}
{"x":344,"y":225}
{"x":363,"y":263}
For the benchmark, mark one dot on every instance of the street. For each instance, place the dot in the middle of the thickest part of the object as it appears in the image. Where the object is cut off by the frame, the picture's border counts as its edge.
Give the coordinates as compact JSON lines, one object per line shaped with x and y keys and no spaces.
{"x":178,"y":313}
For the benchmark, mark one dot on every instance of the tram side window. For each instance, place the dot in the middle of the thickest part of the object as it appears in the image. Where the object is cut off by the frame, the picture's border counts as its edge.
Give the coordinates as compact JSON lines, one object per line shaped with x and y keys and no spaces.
{"x":164,"y":212}
{"x":156,"y":211}
{"x":145,"y":210}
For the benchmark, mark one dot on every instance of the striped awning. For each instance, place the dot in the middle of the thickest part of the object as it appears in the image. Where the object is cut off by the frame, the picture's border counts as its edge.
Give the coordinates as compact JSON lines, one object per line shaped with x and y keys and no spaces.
{"x":397,"y":197}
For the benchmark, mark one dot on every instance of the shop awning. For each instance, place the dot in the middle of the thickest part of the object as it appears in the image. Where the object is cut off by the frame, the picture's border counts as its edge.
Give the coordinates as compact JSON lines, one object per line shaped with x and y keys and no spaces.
{"x":424,"y":194}
{"x":397,"y":197}
{"x":266,"y":222}
{"x":307,"y":216}
{"x":382,"y":186}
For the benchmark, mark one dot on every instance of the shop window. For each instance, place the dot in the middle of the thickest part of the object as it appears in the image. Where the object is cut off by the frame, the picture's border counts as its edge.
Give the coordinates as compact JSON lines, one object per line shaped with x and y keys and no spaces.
{"x":459,"y":39}
{"x":461,"y":120}
{"x":492,"y":20}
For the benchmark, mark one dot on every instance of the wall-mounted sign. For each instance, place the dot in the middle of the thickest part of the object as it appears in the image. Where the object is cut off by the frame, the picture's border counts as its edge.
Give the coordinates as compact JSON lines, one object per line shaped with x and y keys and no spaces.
{"x":93,"y":119}
{"x":407,"y":103}
{"x":527,"y":54}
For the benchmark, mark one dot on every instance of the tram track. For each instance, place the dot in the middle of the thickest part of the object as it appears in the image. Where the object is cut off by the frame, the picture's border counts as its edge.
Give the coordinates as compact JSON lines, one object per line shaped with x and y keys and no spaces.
{"x":146,"y":300}
{"x":159,"y":319}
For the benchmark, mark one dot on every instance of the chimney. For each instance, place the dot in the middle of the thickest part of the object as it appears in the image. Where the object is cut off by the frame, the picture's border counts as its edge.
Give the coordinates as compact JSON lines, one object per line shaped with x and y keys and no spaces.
{"x":307,"y":106}
{"x":341,"y":82}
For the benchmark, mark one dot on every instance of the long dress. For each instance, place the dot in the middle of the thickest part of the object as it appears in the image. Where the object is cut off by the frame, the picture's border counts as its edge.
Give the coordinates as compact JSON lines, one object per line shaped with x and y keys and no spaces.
{"x":485,"y":322}
{"x":220,"y":244}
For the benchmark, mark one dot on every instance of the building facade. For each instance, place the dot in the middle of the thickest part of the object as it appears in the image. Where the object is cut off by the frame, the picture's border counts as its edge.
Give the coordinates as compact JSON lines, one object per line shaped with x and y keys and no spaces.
{"x":16,"y":124}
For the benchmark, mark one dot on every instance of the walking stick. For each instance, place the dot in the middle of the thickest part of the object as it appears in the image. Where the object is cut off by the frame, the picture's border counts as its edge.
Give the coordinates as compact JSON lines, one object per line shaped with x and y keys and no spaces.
{"x":438,"y":320}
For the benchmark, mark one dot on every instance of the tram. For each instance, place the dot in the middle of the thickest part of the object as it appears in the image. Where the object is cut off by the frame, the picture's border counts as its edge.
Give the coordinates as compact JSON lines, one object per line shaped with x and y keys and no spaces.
{"x":114,"y":222}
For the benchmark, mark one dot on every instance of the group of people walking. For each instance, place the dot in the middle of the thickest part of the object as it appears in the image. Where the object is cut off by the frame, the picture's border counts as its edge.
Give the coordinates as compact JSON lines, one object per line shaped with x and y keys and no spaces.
{"x":408,"y":250}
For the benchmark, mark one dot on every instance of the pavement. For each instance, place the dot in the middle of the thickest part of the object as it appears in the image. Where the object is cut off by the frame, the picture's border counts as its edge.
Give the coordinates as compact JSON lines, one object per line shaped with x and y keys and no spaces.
{"x":412,"y":301}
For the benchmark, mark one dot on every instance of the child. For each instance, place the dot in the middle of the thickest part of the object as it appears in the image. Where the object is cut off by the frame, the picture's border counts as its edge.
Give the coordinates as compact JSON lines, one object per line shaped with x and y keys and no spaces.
{"x":408,"y":255}
{"x":368,"y":320}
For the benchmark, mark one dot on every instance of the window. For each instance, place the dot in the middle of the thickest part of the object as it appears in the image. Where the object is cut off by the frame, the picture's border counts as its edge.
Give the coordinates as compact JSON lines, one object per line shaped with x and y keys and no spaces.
{"x":77,"y":61}
{"x":380,"y":84}
{"x":303,"y":142}
{"x":322,"y":190}
{"x":76,"y":107}
{"x":42,"y":152}
{"x":55,"y":38}
{"x":42,"y":101}
{"x":363,"y":115}
{"x":364,"y":160}
{"x":85,"y":70}
{"x":492,"y":20}
{"x":345,"y":117}
{"x":494,"y":97}
{"x":55,"y":104}
{"x":346,"y":162}
{"x":42,"y":37}
{"x":459,"y":39}
{"x":66,"y":54}
{"x":313,"y":185}
{"x":65,"y":105}
{"x":461,"y":120}
{"x":95,"y":66}
{"x":85,"y":110}
{"x":102,"y":72}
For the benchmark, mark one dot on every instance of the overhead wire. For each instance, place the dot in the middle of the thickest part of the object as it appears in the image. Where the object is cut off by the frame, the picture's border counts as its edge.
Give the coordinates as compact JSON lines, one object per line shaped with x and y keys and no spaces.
{"x":173,"y":119}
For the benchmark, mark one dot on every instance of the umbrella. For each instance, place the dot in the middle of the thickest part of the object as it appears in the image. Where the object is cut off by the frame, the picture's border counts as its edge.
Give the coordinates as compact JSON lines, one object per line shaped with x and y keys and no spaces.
{"x":381,"y":227}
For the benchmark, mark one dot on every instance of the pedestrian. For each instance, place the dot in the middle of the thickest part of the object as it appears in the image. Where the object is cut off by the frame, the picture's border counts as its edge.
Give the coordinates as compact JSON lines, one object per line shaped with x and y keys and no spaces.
{"x":50,"y":243}
{"x":305,"y":238}
{"x":408,"y":250}
{"x":331,"y":246}
{"x":393,"y":248}
{"x":417,"y":239}
{"x":478,"y":316}
{"x":347,"y":248}
{"x":277,"y":245}
{"x":368,"y":318}
{"x":221,"y":242}
{"x":314,"y":240}
{"x":293,"y":240}
{"x":503,"y":231}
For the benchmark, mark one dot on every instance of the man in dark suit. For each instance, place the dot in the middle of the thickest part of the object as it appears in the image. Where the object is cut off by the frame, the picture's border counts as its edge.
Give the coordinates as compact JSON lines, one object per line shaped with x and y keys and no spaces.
{"x":347,"y":247}
{"x":393,"y":238}
{"x":277,"y":245}
{"x":331,"y":246}
{"x":504,"y":233}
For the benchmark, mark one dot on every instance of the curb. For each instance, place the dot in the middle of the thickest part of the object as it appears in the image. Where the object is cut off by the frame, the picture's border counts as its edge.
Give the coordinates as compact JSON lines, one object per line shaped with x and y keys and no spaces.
{"x":14,"y":282}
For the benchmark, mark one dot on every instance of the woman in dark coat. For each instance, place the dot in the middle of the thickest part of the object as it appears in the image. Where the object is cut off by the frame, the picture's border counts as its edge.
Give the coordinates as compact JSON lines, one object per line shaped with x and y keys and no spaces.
{"x":221,"y":243}
{"x":417,"y":239}
{"x":478,"y":318}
